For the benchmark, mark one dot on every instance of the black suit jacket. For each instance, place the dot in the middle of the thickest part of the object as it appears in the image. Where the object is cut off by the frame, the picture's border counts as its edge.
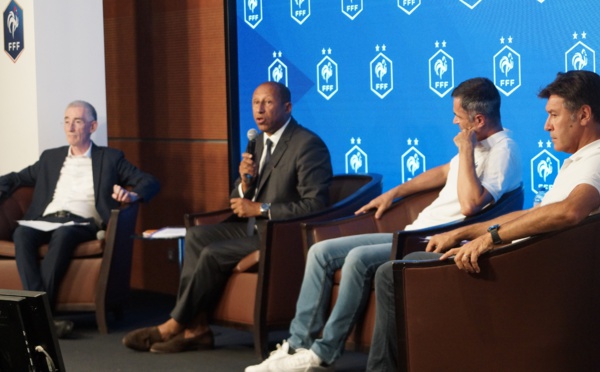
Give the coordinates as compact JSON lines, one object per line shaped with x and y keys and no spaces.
{"x":296,"y":181}
{"x":109,"y":168}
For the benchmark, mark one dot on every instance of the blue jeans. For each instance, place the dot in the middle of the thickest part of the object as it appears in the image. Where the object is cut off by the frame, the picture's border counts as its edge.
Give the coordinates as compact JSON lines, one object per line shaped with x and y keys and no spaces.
{"x":359,"y":257}
{"x":384,"y":345}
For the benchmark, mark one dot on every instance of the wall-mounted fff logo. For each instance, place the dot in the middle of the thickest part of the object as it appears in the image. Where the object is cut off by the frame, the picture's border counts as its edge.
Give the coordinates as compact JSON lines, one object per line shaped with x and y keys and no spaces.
{"x":278,"y":71}
{"x":544,"y":168}
{"x":408,"y":6}
{"x":357,"y":161}
{"x":14,"y":42}
{"x":300,"y":10}
{"x":441,"y":71}
{"x":471,"y":3}
{"x":352,"y":8}
{"x":580,"y":56}
{"x":382,"y":73}
{"x":507,"y":68}
{"x":413,"y":161}
{"x":253,"y":12}
{"x":327,"y":75}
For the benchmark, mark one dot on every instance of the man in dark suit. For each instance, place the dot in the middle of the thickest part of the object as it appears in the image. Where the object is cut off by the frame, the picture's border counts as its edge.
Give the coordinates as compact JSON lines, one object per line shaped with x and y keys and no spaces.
{"x":81,"y":182}
{"x":291,"y":179}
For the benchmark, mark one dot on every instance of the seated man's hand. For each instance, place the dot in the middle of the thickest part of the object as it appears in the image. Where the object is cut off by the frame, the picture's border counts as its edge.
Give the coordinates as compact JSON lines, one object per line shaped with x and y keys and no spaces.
{"x":442,"y":242}
{"x":380,"y":203}
{"x":122,"y":195}
{"x":466,"y":256}
{"x":244,"y":207}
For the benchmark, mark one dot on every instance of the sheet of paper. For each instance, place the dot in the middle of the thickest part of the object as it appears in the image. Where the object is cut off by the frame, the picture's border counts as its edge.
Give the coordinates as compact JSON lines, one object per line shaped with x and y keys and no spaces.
{"x":48,"y":226}
{"x":165,"y":233}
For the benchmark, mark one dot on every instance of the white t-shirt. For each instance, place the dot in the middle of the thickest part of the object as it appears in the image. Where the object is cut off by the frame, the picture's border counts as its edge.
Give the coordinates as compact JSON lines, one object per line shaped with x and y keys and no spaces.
{"x":581,"y":167}
{"x":498,"y":167}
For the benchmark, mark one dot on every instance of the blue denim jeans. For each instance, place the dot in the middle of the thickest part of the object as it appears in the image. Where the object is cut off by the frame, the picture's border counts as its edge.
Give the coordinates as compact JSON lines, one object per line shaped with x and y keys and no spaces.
{"x":359,"y":257}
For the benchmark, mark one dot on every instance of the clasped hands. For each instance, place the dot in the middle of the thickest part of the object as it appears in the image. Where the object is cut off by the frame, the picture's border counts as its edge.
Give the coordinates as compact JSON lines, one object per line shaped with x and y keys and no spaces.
{"x":465,"y":256}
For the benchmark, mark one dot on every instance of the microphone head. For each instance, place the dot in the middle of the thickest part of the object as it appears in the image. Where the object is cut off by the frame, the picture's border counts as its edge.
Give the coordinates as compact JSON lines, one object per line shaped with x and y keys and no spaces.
{"x":252,"y":134}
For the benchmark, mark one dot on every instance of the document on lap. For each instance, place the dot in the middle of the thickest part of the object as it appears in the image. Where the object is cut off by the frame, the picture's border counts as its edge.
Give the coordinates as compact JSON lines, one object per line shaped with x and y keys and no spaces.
{"x":165,"y":233}
{"x":48,"y":226}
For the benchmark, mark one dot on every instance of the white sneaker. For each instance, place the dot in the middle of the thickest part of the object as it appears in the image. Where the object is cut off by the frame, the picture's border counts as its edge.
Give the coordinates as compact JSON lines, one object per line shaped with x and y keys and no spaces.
{"x":302,"y":361}
{"x":282,"y":351}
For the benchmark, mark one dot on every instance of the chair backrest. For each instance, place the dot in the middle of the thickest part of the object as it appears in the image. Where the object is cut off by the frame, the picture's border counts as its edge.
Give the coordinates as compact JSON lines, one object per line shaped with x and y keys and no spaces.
{"x":406,"y":242}
{"x":533,"y":307}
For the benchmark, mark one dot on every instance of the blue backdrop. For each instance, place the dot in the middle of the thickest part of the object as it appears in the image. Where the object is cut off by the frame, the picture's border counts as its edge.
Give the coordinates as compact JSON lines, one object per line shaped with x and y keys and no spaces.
{"x":373,"y":77}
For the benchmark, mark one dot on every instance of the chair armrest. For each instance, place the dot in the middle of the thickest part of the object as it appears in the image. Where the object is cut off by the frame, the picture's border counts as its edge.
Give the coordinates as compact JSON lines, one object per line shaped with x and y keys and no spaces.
{"x":406,"y":242}
{"x":401,"y":213}
{"x":209,"y":218}
{"x":13,"y":208}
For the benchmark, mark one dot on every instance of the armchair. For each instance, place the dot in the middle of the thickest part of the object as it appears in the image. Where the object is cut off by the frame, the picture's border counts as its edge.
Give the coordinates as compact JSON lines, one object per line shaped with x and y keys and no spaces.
{"x":261,"y":293}
{"x":533,"y":307}
{"x":98,"y":277}
{"x":402,"y":212}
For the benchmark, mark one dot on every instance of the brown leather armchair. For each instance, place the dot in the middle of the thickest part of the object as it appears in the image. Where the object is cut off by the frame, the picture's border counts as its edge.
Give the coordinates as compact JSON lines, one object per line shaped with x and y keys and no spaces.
{"x":533,"y":307}
{"x":97,"y":279}
{"x":261,"y":293}
{"x":402,"y":212}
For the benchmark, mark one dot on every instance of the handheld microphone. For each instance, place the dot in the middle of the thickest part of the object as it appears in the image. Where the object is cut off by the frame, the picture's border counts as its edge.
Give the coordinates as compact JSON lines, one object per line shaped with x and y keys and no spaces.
{"x":252,"y":134}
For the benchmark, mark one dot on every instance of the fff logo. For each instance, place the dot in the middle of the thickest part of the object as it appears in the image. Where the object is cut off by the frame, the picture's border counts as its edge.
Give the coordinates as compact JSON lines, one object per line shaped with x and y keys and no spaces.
{"x":580,"y":57}
{"x":408,"y":6}
{"x":351,"y":8}
{"x":278,"y":71}
{"x":327,"y":77}
{"x":300,"y":10}
{"x":253,"y":13}
{"x":382,"y":75}
{"x":356,"y":158}
{"x":544,"y":168}
{"x":441,"y":73}
{"x":507,"y":70}
{"x":14,"y":42}
{"x":413,"y":164}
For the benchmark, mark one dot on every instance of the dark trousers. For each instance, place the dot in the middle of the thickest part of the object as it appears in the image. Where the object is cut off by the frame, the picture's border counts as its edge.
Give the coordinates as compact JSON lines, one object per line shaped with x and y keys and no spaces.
{"x":46,"y":275}
{"x":211,"y":253}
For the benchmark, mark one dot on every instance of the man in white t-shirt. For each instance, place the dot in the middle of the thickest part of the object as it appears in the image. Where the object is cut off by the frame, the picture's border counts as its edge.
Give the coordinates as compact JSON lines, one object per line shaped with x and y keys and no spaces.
{"x":574,"y":125}
{"x":487,"y":166}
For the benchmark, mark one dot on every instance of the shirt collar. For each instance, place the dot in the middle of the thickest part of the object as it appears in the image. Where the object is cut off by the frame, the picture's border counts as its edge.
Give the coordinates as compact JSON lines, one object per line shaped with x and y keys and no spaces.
{"x":494,"y":139}
{"x":87,"y":153}
{"x":583,"y":152}
{"x":275,"y":137}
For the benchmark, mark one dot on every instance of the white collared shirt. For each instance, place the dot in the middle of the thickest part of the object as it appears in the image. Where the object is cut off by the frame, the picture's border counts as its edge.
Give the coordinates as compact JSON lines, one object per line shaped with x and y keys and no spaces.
{"x":75,"y":187}
{"x":581,"y":167}
{"x":498,"y":168}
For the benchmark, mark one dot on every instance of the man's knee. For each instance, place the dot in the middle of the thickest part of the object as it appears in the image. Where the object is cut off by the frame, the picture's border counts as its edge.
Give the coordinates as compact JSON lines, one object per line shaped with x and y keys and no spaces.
{"x":384,"y":274}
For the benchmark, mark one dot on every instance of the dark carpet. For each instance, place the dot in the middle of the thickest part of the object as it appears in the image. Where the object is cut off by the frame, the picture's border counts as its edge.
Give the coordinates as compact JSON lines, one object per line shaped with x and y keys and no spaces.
{"x":88,"y":350}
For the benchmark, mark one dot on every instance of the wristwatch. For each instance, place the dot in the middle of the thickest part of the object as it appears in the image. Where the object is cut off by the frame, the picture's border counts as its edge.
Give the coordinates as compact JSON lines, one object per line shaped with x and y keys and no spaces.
{"x":264,"y":209}
{"x":493,"y":230}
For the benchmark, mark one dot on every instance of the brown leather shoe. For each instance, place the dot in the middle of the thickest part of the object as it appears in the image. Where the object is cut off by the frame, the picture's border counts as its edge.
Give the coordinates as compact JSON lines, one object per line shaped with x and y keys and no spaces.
{"x":179,"y":344}
{"x":142,"y":339}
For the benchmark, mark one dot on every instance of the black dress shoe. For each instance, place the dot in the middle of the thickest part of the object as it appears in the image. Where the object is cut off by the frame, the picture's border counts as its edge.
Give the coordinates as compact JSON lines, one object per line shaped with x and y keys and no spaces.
{"x":142,"y":339}
{"x":179,"y":344}
{"x":63,"y":328}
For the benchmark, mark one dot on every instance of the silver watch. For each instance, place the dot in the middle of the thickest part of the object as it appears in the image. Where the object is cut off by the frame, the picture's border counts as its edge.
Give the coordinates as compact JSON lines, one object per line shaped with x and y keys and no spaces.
{"x":264,"y":209}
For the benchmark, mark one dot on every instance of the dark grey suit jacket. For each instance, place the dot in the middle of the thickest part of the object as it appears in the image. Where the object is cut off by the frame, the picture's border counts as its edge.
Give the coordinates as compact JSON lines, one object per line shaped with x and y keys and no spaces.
{"x":109,"y":168}
{"x":296,"y":181}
